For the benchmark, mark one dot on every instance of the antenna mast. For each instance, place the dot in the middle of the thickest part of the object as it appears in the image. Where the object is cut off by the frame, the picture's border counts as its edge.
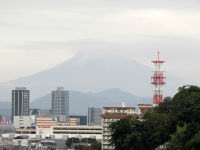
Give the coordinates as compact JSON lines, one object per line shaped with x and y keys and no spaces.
{"x":158,"y":81}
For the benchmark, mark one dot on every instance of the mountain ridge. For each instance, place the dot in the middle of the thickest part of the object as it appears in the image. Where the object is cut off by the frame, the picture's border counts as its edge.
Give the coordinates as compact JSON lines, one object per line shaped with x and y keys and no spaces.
{"x":85,"y":73}
{"x":79,"y":101}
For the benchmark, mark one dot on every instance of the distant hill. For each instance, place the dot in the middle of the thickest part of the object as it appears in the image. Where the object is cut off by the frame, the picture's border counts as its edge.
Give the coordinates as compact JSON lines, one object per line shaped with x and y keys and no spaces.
{"x":79,"y":101}
{"x":86,"y":73}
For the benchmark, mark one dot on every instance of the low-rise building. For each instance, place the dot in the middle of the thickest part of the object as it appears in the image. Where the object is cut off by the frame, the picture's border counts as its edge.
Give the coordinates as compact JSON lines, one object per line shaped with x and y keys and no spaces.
{"x":26,"y":131}
{"x":74,"y":121}
{"x":71,"y":131}
{"x":82,"y":119}
{"x":5,"y":141}
{"x":21,"y":141}
{"x":44,"y":124}
{"x":24,"y":121}
{"x":77,"y":131}
{"x":45,"y":120}
{"x":144,"y":108}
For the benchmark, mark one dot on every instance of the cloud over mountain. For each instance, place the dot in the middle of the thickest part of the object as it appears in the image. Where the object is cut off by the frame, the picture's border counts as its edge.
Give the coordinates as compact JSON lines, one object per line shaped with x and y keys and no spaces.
{"x":82,"y":73}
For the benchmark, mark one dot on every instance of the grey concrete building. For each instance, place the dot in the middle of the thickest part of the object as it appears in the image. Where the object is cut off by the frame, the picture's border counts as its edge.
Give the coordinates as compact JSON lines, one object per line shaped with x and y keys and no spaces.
{"x":20,"y":102}
{"x":60,"y":104}
{"x":94,"y":116}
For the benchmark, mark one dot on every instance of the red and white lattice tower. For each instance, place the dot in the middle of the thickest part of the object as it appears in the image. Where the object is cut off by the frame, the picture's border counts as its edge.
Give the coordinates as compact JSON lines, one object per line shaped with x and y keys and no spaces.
{"x":158,"y":80}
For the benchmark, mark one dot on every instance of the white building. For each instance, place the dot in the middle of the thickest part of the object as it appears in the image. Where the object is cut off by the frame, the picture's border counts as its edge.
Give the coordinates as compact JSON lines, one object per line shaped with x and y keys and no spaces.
{"x":71,"y":131}
{"x":79,"y":131}
{"x":60,"y":104}
{"x":24,"y":121}
{"x":112,"y":114}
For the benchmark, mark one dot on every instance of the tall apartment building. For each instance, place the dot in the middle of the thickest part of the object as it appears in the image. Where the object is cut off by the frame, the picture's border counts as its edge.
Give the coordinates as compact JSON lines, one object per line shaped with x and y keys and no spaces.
{"x":94,"y":116}
{"x":60,"y":104}
{"x":112,"y":114}
{"x":20,"y":102}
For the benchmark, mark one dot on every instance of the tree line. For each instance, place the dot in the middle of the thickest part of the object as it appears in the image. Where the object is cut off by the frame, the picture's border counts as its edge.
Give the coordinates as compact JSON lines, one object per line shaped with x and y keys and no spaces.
{"x":172,"y":125}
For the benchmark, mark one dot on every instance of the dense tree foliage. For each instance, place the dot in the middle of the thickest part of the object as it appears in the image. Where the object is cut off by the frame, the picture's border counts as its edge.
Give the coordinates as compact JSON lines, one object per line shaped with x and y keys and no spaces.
{"x":175,"y":123}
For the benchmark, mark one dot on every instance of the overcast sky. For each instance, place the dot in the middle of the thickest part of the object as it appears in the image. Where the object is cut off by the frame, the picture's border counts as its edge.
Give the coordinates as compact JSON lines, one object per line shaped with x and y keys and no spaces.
{"x":37,"y":35}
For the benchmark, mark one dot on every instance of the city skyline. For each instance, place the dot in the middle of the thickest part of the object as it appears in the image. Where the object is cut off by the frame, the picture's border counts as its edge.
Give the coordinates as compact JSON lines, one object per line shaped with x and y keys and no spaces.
{"x":101,"y":55}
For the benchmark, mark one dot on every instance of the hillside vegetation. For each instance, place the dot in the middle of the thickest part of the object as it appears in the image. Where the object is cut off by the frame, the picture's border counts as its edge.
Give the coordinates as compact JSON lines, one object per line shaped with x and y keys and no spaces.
{"x":173,"y":125}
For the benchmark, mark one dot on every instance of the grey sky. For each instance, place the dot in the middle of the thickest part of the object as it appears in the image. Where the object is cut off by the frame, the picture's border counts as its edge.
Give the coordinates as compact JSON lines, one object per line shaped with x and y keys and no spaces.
{"x":37,"y":35}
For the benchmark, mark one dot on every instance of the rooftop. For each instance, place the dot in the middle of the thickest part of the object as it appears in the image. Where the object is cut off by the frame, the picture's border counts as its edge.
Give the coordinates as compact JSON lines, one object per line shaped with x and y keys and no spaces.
{"x":145,"y":105}
{"x":117,"y":116}
{"x":120,"y":107}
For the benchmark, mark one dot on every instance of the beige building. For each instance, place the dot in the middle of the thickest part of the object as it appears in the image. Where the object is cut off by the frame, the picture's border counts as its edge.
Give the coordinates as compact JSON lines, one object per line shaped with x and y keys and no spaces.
{"x":44,"y":124}
{"x":112,"y":114}
{"x":26,"y":131}
{"x":74,"y":121}
{"x":45,"y":120}
{"x":71,"y":131}
{"x":79,"y":131}
{"x":49,"y":126}
{"x":144,"y":108}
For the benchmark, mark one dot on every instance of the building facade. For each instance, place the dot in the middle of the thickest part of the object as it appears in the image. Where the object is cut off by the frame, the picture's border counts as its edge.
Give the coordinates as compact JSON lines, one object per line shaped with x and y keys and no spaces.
{"x":44,"y":124}
{"x":74,"y":121}
{"x":94,"y":116}
{"x":82,"y":119}
{"x":24,"y":121}
{"x":20,"y":102}
{"x":79,"y":131}
{"x":112,"y":114}
{"x":144,"y":108}
{"x":60,"y":104}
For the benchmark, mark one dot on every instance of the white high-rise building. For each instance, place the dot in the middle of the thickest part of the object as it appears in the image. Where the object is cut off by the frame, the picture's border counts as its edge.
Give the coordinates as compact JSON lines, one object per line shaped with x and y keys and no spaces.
{"x":60,"y":104}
